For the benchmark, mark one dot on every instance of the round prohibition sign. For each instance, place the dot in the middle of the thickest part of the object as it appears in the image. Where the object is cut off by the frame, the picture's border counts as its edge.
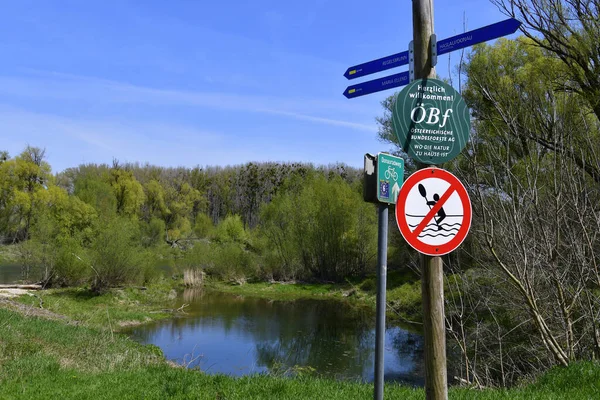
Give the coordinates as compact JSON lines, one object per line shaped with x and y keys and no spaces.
{"x":433,"y":211}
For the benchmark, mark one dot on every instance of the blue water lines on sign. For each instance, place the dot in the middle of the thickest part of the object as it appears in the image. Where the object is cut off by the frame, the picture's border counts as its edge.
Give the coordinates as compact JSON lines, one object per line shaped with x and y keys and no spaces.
{"x":377,"y":85}
{"x":480,"y":35}
{"x":381,"y":64}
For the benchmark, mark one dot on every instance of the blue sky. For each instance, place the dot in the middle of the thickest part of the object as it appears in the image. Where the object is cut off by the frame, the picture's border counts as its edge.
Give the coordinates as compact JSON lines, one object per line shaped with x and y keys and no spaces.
{"x":185,"y":83}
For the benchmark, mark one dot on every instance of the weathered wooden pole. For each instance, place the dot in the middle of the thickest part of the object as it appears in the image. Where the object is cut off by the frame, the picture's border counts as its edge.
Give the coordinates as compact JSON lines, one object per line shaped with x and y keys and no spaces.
{"x":432,"y":273}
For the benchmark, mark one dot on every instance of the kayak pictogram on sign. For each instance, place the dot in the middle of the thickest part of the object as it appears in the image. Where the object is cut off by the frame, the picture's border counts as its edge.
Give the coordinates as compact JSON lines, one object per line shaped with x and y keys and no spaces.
{"x":433,"y":211}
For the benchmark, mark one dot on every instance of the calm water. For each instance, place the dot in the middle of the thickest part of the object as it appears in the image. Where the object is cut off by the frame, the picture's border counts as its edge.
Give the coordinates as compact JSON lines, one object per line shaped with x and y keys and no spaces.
{"x":239,"y":335}
{"x":10,"y":273}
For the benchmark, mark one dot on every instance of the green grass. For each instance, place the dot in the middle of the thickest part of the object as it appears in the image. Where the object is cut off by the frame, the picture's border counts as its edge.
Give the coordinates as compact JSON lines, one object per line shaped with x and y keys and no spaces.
{"x":50,"y":359}
{"x":115,"y":308}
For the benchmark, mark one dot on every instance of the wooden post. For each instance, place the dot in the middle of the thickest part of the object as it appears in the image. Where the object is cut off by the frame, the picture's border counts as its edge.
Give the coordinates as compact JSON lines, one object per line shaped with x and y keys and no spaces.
{"x":422,"y":31}
{"x":432,"y":296}
{"x":432,"y":273}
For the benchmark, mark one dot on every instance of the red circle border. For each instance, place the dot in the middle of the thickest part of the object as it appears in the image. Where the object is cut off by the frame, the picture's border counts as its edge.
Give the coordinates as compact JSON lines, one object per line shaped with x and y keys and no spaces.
{"x":401,"y":210}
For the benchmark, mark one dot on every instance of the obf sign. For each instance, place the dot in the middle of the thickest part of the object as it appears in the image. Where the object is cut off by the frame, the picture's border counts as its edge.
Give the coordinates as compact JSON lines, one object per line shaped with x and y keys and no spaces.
{"x":431,"y":121}
{"x":420,"y":113}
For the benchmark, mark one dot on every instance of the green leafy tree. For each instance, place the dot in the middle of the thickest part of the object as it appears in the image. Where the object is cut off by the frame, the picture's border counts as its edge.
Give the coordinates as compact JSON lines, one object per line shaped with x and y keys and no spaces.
{"x":326,"y":226}
{"x":21,"y":180}
{"x":569,"y":31}
{"x":91,"y":185}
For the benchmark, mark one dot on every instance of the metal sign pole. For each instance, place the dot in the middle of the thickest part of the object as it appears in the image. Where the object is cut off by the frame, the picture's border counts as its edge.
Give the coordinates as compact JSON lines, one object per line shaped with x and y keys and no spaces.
{"x":382,"y":240}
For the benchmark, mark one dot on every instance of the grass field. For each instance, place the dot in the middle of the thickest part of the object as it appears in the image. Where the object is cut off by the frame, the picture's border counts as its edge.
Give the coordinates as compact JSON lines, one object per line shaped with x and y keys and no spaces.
{"x":61,"y":357}
{"x":114,"y":309}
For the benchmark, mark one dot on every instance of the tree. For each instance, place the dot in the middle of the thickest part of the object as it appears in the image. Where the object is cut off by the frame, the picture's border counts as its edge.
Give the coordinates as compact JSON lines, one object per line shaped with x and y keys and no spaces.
{"x":570,"y":30}
{"x":532,"y":166}
{"x":520,"y":88}
{"x":324,"y":225}
{"x":21,"y":179}
{"x":91,"y":184}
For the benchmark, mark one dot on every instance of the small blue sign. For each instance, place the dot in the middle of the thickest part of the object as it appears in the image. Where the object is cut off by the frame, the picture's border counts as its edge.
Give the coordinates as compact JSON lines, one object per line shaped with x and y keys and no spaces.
{"x":377,"y":85}
{"x":480,"y":35}
{"x":381,"y":64}
{"x":384,"y":189}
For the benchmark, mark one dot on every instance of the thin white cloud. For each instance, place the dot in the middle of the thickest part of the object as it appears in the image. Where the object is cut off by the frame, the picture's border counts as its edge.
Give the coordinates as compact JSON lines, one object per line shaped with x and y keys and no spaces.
{"x":72,"y":141}
{"x":347,"y":124}
{"x":78,"y":88}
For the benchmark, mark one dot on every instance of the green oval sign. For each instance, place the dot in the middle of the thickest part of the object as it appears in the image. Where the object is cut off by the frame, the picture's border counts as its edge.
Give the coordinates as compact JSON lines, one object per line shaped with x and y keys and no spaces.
{"x":431,"y":121}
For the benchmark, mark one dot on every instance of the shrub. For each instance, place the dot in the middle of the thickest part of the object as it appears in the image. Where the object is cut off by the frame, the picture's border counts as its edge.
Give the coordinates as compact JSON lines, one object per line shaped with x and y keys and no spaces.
{"x":116,"y":256}
{"x":197,"y":257}
{"x":154,"y":232}
{"x":203,"y":227}
{"x":233,"y":263}
{"x":368,"y":285}
{"x":231,"y":230}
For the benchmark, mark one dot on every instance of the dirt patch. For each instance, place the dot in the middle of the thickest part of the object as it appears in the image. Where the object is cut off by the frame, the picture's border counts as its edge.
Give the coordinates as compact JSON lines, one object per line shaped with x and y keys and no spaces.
{"x":10,"y":293}
{"x":33,"y":311}
{"x":124,"y":324}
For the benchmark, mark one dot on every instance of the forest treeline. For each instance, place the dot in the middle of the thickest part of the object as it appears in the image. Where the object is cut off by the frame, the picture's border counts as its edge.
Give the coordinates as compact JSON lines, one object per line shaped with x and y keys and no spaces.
{"x":109,"y":225}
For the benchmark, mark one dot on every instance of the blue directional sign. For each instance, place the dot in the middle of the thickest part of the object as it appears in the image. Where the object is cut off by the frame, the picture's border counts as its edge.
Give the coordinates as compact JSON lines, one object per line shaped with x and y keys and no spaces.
{"x":377,"y":85}
{"x":381,"y":64}
{"x":461,"y":41}
{"x":480,"y":35}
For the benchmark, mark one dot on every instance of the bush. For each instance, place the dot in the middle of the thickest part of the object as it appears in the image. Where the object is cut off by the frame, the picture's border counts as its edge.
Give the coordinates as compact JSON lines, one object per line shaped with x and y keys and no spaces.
{"x":406,"y":299}
{"x":197,"y":257}
{"x":70,"y":267}
{"x":368,"y":285}
{"x":233,"y":263}
{"x":325,"y":226}
{"x":231,"y":230}
{"x":116,"y":256}
{"x":154,"y":232}
{"x":193,"y":277}
{"x":203,"y":227}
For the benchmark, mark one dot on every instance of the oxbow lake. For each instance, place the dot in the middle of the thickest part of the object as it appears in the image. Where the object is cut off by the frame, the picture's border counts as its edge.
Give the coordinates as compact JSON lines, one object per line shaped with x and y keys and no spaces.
{"x":235,"y":335}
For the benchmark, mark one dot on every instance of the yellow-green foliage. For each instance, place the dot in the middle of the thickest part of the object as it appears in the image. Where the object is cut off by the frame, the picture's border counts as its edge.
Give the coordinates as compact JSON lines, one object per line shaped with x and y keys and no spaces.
{"x":325,"y":227}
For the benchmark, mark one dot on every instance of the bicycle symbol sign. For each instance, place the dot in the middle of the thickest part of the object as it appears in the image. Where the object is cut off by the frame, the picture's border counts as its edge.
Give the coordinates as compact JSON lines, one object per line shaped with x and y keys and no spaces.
{"x":390,"y":174}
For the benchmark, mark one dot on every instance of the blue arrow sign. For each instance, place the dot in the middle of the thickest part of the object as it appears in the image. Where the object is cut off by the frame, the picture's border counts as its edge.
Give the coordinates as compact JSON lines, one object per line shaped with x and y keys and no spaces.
{"x":377,"y":85}
{"x":461,"y":41}
{"x":480,"y":35}
{"x":381,"y":64}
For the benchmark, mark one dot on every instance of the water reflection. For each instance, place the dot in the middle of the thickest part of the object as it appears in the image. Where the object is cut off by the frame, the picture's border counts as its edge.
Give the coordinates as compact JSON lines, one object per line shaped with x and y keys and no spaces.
{"x":239,"y":335}
{"x":10,"y":274}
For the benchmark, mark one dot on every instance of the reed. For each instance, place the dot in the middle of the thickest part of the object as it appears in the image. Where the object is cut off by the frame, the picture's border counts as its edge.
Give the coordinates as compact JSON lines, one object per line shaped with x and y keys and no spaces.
{"x":193,"y":277}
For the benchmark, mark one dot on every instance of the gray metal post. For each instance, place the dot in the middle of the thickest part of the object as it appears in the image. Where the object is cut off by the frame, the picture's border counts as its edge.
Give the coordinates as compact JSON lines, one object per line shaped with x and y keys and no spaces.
{"x":382,"y":240}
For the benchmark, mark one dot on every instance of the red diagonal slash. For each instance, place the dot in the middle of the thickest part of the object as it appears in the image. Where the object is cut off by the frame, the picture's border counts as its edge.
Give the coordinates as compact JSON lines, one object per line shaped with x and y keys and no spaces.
{"x":433,"y":211}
